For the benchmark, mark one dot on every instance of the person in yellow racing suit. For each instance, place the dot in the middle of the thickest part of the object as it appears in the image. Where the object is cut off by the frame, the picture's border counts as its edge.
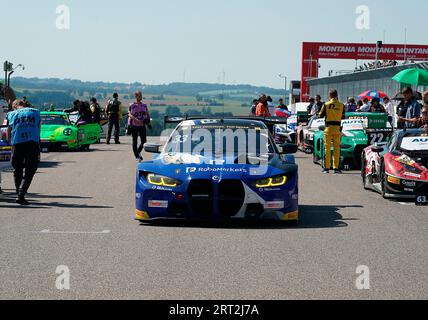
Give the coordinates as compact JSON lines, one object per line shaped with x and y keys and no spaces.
{"x":333,"y":112}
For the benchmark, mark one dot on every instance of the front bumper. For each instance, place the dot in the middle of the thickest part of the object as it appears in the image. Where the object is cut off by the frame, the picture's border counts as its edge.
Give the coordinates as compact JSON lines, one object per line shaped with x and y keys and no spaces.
{"x":176,"y":203}
{"x":58,"y":145}
{"x":405,"y":188}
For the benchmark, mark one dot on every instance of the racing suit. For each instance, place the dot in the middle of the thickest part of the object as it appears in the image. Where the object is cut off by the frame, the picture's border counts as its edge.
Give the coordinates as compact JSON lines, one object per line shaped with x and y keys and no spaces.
{"x":334,"y":113}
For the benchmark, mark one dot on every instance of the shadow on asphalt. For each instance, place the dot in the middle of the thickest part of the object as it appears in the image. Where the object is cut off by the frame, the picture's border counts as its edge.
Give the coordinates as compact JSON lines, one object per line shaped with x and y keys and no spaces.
{"x":52,"y":164}
{"x":311,"y":217}
{"x":48,"y":196}
{"x":326,"y":216}
{"x":8,"y":201}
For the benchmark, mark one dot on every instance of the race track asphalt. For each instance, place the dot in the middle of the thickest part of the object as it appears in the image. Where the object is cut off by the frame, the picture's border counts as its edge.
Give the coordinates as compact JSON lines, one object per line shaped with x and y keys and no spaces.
{"x":81,"y":216}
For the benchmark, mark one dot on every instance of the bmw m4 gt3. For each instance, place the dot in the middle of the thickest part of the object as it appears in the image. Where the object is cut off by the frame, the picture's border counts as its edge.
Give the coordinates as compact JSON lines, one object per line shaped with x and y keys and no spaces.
{"x":219,"y":169}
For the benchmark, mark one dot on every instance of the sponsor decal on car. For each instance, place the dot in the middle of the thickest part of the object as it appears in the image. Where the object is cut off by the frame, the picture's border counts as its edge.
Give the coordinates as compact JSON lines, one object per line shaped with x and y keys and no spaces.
{"x":394,"y":180}
{"x":413,"y":175}
{"x":220,"y":169}
{"x":409,"y":184}
{"x":160,"y":188}
{"x":415,"y":143}
{"x":405,"y":160}
{"x":274,"y":205}
{"x":158,"y":204}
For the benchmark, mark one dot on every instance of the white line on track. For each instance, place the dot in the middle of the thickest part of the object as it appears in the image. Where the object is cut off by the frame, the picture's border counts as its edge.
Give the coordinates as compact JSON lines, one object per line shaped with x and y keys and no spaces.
{"x":72,"y":232}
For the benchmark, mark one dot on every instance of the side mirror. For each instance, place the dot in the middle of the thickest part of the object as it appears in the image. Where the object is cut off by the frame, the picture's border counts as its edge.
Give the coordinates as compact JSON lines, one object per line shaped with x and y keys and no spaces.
{"x":377,"y":149}
{"x":289,"y":148}
{"x":152,"y":148}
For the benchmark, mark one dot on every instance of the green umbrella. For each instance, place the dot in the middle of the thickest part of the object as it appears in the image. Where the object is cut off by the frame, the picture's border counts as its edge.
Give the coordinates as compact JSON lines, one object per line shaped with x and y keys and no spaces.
{"x":417,"y":77}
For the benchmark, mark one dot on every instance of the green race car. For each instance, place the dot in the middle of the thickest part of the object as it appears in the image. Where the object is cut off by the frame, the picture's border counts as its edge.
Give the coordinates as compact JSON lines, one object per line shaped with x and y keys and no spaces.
{"x":359,"y":131}
{"x":59,"y":132}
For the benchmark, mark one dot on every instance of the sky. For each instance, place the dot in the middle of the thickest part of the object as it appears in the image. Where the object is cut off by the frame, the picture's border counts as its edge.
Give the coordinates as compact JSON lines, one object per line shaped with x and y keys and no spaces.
{"x":163,"y":41}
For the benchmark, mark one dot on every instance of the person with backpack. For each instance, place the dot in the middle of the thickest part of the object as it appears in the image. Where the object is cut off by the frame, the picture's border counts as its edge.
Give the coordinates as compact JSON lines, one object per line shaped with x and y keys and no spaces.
{"x":114,"y":113}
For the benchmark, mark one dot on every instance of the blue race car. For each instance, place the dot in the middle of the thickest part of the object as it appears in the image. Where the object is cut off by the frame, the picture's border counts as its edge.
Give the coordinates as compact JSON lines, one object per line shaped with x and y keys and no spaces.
{"x":219,"y":169}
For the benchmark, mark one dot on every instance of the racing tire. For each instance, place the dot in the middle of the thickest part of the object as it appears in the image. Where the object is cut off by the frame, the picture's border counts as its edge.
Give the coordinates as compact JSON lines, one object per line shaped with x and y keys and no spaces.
{"x":383,"y":181}
{"x":363,"y":171}
{"x":316,"y":160}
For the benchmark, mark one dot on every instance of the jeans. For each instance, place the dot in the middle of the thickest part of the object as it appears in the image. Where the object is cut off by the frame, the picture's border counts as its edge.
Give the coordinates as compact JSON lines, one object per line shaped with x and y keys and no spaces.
{"x":138,"y":132}
{"x":25,"y":159}
{"x":113,"y":122}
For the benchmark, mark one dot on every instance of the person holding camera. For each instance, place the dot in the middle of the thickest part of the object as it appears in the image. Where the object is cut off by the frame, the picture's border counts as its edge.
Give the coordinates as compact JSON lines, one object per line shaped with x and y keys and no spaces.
{"x":138,"y":119}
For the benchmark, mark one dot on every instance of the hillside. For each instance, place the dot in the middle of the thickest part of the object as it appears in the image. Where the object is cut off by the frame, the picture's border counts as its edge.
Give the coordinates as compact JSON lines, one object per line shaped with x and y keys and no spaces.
{"x":64,"y":91}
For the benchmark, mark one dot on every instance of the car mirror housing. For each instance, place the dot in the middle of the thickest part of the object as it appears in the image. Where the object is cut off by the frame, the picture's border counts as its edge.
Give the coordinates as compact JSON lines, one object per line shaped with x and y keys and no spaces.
{"x":152,"y":148}
{"x":289,"y":148}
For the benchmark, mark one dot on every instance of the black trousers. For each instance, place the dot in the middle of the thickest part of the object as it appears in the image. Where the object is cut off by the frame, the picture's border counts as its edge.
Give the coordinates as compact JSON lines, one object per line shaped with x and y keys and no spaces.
{"x":138,"y":132}
{"x":113,"y":122}
{"x":25,"y":161}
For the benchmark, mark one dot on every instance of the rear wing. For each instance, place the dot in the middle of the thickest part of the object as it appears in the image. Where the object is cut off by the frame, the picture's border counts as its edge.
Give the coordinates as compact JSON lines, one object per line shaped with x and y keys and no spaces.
{"x":372,"y":121}
{"x":268,"y":121}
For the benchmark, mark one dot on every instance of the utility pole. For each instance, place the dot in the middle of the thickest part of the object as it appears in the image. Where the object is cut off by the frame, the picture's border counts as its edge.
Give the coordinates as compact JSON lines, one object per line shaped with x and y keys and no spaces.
{"x":379,"y":45}
{"x":285,"y":86}
{"x":9,"y":70}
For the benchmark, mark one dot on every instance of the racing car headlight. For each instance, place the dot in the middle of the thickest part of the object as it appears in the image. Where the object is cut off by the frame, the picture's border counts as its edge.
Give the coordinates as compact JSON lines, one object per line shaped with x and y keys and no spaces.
{"x":271,"y":182}
{"x":163,"y":181}
{"x":67,"y":132}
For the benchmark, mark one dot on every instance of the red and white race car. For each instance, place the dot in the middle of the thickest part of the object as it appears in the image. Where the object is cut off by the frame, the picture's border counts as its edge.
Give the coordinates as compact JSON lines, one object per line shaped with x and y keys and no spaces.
{"x":398,"y":169}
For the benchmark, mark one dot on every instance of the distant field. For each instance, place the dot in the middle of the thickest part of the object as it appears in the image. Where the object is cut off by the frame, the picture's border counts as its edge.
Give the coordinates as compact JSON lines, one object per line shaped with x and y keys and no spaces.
{"x":184,"y":103}
{"x":238,"y":111}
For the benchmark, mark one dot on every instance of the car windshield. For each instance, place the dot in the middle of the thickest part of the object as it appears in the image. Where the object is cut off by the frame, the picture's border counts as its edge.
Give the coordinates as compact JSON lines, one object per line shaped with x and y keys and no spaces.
{"x":54,"y":120}
{"x":414,"y":142}
{"x":220,"y":139}
{"x":316,"y":123}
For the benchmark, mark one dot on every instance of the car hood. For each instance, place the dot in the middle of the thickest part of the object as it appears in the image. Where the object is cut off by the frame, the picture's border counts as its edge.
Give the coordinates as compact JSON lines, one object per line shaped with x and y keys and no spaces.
{"x":185,"y":166}
{"x":51,"y":128}
{"x":404,"y":166}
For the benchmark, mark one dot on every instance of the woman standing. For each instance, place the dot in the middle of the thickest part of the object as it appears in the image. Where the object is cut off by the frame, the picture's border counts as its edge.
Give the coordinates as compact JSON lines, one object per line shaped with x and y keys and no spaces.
{"x":138,"y":118}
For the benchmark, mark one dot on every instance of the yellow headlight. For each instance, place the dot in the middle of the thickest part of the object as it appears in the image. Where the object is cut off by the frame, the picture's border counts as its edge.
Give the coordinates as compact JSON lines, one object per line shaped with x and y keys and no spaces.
{"x":279,"y":181}
{"x":162,"y":181}
{"x":272,"y":182}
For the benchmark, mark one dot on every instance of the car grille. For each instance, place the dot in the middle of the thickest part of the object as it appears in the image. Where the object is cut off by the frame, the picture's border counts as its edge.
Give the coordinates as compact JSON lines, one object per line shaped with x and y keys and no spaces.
{"x":201,"y":197}
{"x":231,"y":196}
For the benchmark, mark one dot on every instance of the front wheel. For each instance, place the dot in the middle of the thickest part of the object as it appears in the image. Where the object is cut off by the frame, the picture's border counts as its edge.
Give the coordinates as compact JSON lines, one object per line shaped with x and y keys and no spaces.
{"x":316,"y":160}
{"x":363,"y":171}
{"x":383,"y":181}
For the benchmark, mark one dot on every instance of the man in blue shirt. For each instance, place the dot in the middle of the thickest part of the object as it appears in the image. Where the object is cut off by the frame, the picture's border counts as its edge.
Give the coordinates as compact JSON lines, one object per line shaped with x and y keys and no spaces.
{"x":24,"y":136}
{"x":413,"y":109}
